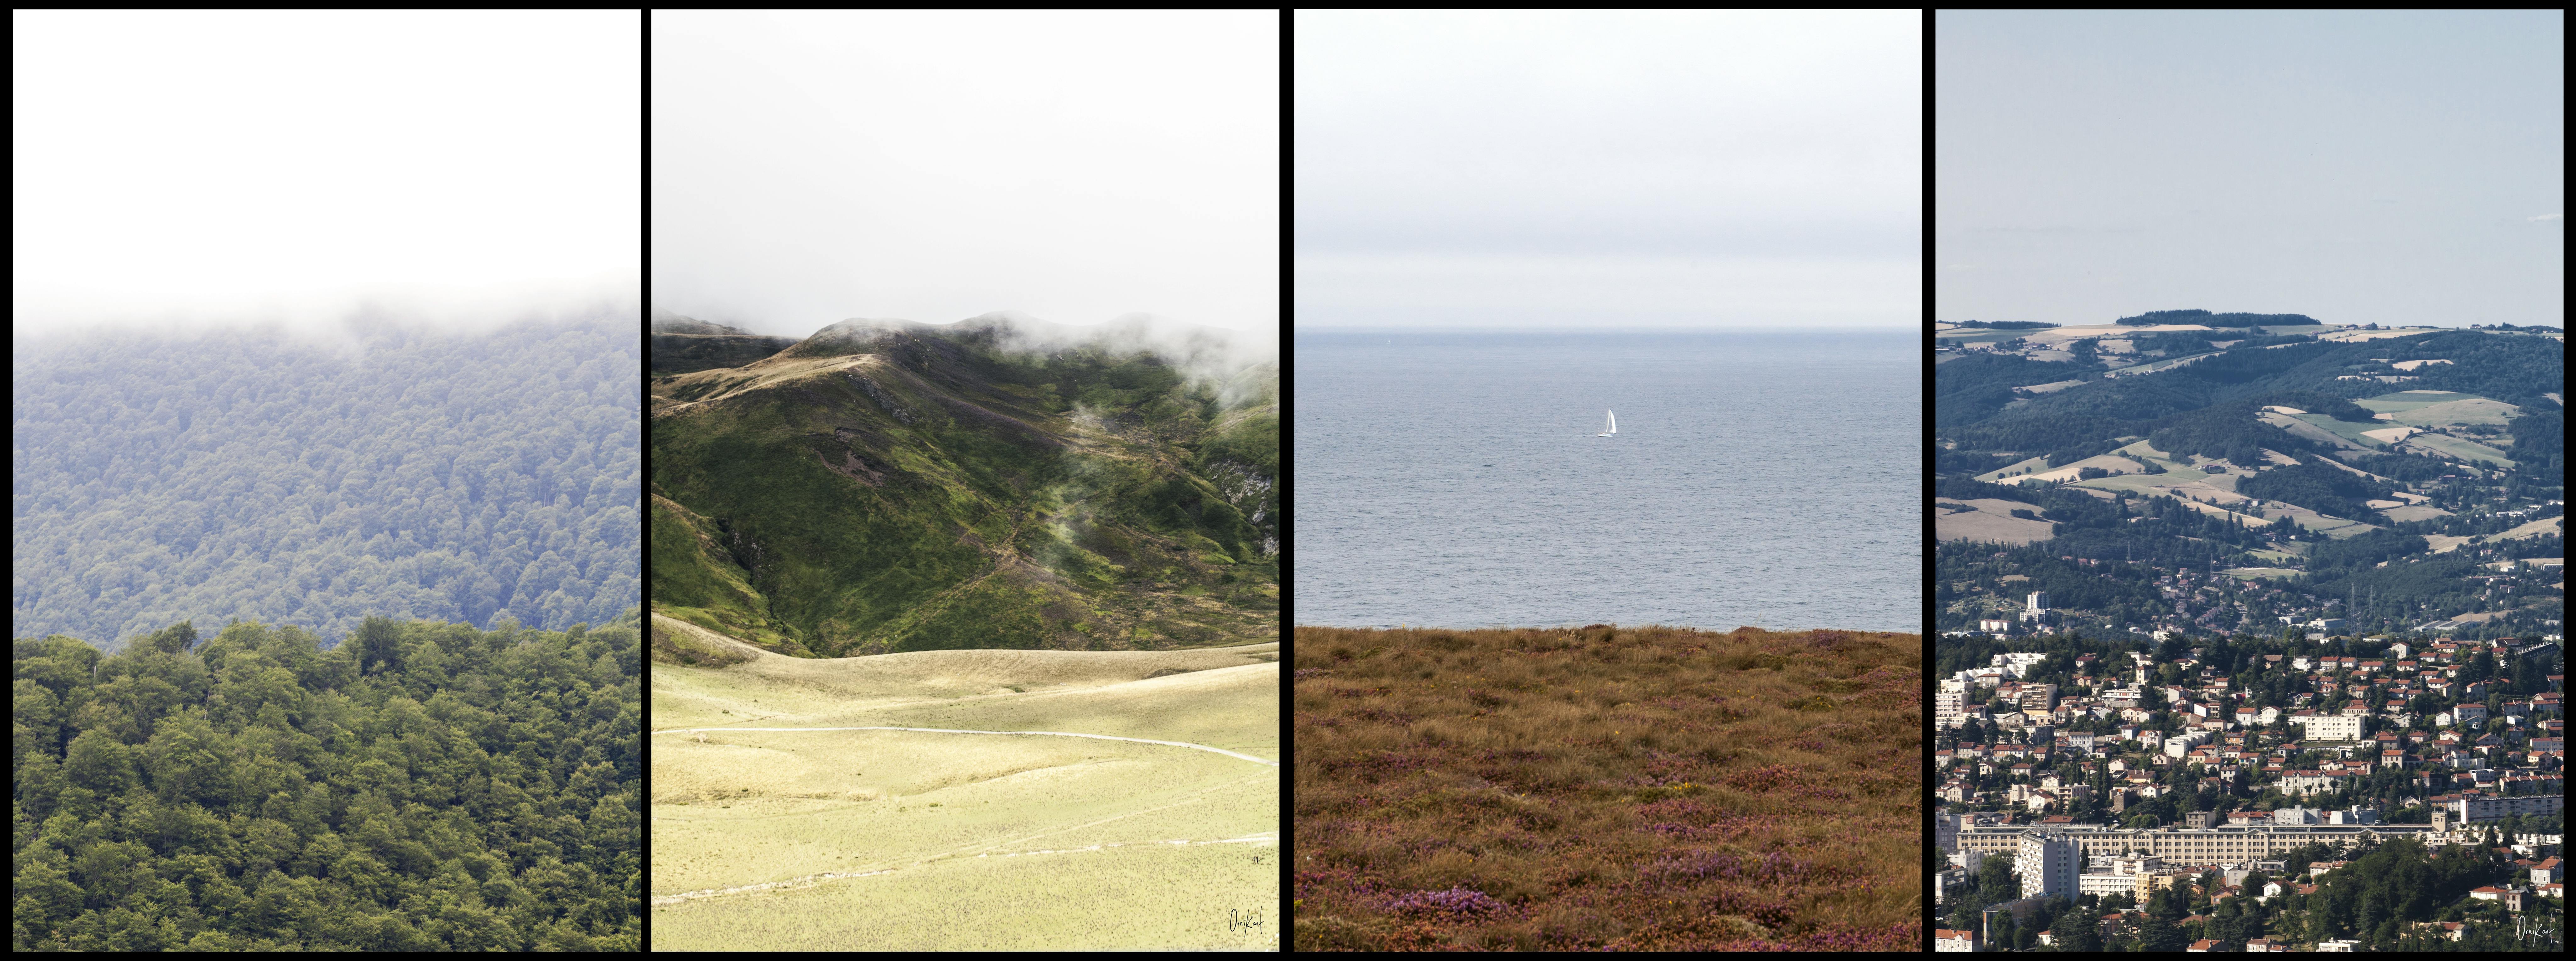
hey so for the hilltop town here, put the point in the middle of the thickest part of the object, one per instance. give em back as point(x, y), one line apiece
point(2249, 794)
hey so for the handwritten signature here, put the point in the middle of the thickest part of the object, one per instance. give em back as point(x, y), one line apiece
point(1236, 920)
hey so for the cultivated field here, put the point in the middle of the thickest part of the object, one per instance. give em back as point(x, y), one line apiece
point(2467, 450)
point(955, 830)
point(1600, 788)
point(1989, 520)
point(2438, 408)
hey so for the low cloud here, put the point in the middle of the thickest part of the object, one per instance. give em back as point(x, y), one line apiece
point(2549, 217)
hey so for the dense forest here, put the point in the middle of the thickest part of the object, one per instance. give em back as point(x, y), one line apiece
point(2331, 491)
point(2207, 319)
point(285, 478)
point(424, 786)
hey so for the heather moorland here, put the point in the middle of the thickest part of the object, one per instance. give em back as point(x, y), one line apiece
point(1607, 788)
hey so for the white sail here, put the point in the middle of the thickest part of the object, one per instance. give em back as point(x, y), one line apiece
point(1613, 430)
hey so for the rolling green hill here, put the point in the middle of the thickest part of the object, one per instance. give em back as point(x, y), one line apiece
point(891, 486)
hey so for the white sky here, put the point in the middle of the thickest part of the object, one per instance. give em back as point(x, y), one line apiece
point(194, 167)
point(811, 167)
point(2359, 167)
point(1609, 169)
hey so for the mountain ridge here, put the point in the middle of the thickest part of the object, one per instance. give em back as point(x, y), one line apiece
point(886, 485)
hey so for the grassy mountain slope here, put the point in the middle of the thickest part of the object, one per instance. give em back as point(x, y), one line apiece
point(682, 345)
point(889, 486)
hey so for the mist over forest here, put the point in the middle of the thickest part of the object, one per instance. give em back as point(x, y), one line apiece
point(292, 479)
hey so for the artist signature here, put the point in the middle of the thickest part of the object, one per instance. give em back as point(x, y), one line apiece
point(1237, 921)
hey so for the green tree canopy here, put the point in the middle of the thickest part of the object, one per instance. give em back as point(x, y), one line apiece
point(253, 791)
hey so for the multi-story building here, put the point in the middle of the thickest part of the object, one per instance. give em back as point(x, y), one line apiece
point(2191, 846)
point(2334, 727)
point(2473, 806)
point(2038, 697)
point(2048, 862)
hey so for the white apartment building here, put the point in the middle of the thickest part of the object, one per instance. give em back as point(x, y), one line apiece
point(2019, 663)
point(2048, 862)
point(2472, 809)
point(2338, 727)
point(2185, 845)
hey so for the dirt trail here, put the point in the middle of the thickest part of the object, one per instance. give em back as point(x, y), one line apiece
point(942, 730)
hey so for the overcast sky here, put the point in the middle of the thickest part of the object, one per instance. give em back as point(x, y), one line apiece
point(2375, 167)
point(1601, 169)
point(1076, 167)
point(196, 167)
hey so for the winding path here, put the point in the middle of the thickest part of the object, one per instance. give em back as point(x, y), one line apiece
point(940, 730)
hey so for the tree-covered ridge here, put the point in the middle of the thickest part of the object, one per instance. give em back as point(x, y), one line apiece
point(2207, 319)
point(241, 476)
point(424, 787)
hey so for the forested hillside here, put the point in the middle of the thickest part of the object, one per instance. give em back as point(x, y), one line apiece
point(275, 478)
point(425, 786)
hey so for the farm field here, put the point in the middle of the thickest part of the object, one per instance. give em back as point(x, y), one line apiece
point(2543, 527)
point(2356, 336)
point(1607, 788)
point(1990, 521)
point(2466, 450)
point(2320, 429)
point(2334, 527)
point(936, 836)
point(2260, 573)
point(1981, 335)
point(2002, 475)
point(2414, 513)
point(2438, 408)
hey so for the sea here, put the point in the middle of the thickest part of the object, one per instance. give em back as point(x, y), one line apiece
point(1771, 479)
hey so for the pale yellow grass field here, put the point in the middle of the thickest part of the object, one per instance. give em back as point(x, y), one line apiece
point(2051, 388)
point(2114, 463)
point(2389, 435)
point(2362, 335)
point(921, 840)
point(2213, 510)
point(2334, 527)
point(1169, 897)
point(2412, 364)
point(2539, 528)
point(2062, 335)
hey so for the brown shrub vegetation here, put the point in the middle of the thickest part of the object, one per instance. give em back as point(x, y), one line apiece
point(1602, 787)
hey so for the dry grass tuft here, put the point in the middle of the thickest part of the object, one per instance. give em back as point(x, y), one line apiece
point(1607, 788)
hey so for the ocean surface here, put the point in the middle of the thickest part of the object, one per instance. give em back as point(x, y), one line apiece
point(1453, 480)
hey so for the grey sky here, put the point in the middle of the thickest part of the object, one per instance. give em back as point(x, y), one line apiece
point(1609, 169)
point(198, 167)
point(1075, 167)
point(2377, 167)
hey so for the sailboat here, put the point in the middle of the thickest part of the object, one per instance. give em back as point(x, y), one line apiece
point(1614, 426)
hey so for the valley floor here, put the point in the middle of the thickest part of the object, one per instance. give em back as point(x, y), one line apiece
point(906, 802)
